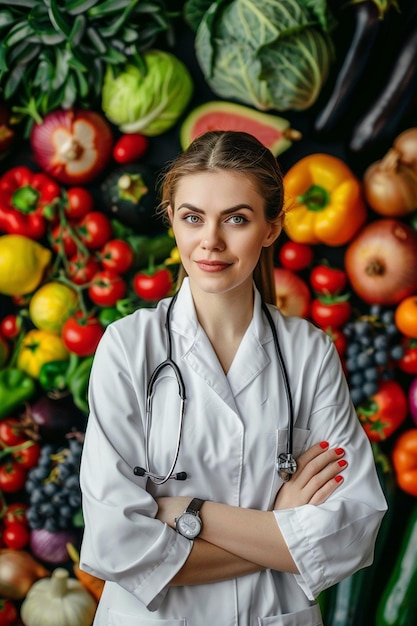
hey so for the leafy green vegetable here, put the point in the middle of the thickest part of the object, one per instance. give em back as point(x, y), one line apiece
point(151, 102)
point(264, 53)
point(53, 53)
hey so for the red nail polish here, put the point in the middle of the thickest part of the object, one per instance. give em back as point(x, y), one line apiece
point(342, 463)
point(339, 451)
point(324, 445)
point(338, 479)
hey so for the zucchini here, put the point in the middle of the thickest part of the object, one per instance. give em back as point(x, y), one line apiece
point(398, 603)
point(352, 602)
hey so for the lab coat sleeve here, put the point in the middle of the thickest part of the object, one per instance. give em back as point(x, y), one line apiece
point(331, 541)
point(123, 542)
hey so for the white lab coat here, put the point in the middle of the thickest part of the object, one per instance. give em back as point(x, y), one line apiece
point(234, 426)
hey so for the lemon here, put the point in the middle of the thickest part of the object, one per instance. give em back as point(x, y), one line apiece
point(22, 264)
point(51, 305)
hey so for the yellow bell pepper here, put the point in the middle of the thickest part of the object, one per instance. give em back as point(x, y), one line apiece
point(39, 347)
point(324, 202)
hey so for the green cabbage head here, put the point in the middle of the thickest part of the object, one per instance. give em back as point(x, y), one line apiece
point(147, 102)
point(270, 54)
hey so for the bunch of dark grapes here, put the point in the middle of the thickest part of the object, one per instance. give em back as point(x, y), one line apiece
point(374, 344)
point(53, 487)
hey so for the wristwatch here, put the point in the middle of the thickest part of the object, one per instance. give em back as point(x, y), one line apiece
point(189, 523)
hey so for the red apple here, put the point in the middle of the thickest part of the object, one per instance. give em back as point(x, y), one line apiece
point(292, 292)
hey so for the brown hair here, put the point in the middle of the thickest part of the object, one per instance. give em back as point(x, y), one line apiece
point(242, 153)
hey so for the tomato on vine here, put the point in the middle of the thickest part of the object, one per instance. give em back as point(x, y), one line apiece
point(79, 202)
point(10, 326)
point(62, 240)
point(332, 312)
point(16, 512)
point(81, 334)
point(28, 457)
point(82, 269)
point(16, 536)
point(296, 256)
point(11, 432)
point(12, 477)
point(328, 280)
point(117, 255)
point(152, 286)
point(107, 287)
point(94, 230)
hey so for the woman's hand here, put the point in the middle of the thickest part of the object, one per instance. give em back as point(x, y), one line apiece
point(317, 476)
point(171, 507)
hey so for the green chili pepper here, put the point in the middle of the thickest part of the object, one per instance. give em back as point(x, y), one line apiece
point(53, 375)
point(15, 388)
point(78, 383)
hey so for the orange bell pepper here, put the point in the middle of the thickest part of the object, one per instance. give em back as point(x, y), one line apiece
point(324, 202)
point(404, 460)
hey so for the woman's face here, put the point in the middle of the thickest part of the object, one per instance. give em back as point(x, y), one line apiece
point(220, 228)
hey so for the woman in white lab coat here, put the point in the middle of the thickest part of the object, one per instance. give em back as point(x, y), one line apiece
point(252, 549)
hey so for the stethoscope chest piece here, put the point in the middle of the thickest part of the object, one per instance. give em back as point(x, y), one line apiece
point(286, 466)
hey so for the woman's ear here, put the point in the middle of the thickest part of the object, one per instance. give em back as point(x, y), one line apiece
point(274, 233)
point(170, 213)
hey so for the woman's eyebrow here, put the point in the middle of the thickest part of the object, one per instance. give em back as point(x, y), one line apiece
point(233, 209)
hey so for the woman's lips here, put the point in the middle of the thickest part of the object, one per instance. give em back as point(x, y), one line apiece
point(212, 266)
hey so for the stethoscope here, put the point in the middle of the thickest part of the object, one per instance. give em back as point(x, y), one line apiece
point(286, 465)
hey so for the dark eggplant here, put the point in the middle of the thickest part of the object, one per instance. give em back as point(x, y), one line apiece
point(367, 26)
point(384, 119)
point(129, 195)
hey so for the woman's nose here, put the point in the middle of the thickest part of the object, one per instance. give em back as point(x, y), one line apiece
point(212, 239)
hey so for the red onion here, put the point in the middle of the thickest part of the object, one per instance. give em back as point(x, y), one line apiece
point(381, 262)
point(412, 399)
point(51, 547)
point(73, 146)
point(55, 418)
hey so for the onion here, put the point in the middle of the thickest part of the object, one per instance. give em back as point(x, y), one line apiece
point(49, 546)
point(381, 262)
point(406, 144)
point(55, 418)
point(73, 146)
point(390, 186)
point(412, 399)
point(18, 571)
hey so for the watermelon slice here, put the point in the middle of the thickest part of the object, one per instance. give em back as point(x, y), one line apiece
point(273, 131)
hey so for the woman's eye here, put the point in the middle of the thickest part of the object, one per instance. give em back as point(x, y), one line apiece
point(237, 219)
point(193, 219)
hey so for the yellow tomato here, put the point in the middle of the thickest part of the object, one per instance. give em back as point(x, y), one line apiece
point(39, 347)
point(22, 264)
point(51, 305)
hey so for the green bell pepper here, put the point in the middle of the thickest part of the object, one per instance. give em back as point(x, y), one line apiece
point(78, 383)
point(15, 388)
point(53, 375)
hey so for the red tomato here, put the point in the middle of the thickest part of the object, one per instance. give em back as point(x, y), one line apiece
point(81, 335)
point(384, 412)
point(408, 362)
point(8, 613)
point(62, 240)
point(130, 147)
point(11, 432)
point(334, 314)
point(152, 287)
point(295, 256)
point(12, 477)
point(328, 280)
point(94, 230)
point(107, 287)
point(16, 512)
point(80, 202)
point(28, 457)
point(338, 338)
point(16, 536)
point(10, 326)
point(81, 269)
point(117, 255)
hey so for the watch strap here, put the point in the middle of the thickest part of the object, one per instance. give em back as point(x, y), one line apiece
point(195, 506)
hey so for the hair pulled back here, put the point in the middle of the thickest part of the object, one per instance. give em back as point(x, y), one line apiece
point(241, 153)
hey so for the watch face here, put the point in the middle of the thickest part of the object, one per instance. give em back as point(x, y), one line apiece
point(188, 525)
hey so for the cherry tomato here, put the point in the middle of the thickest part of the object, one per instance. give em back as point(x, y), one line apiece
point(11, 432)
point(107, 287)
point(81, 269)
point(80, 202)
point(130, 147)
point(334, 314)
point(10, 326)
point(296, 256)
point(8, 613)
point(12, 477)
point(81, 335)
point(94, 230)
point(408, 362)
point(406, 317)
point(117, 255)
point(62, 240)
point(328, 280)
point(16, 512)
point(152, 287)
point(16, 536)
point(28, 457)
point(384, 412)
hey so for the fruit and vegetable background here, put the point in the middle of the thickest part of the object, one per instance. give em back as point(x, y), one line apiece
point(96, 96)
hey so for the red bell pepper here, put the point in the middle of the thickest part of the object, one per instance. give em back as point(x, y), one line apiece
point(27, 200)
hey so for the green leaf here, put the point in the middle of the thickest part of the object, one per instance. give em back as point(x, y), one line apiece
point(109, 6)
point(14, 81)
point(6, 18)
point(76, 7)
point(78, 30)
point(59, 20)
point(70, 93)
point(24, 53)
point(83, 85)
point(96, 40)
point(118, 23)
point(22, 30)
point(61, 68)
point(194, 11)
